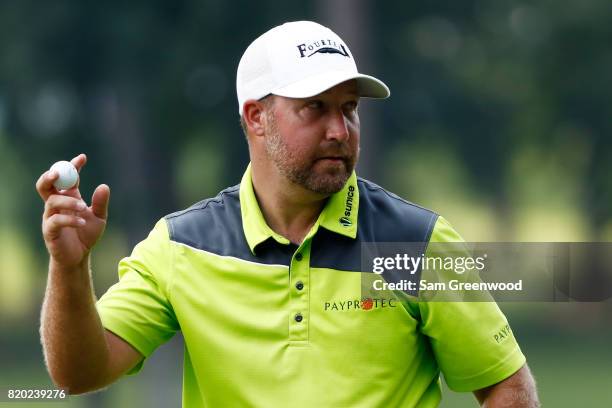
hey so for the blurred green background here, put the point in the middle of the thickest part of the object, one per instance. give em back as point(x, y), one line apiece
point(499, 119)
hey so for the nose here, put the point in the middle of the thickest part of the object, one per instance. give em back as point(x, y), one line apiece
point(337, 126)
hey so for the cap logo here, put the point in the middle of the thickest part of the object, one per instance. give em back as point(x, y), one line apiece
point(323, 47)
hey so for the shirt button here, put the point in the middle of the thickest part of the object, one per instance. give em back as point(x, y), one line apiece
point(299, 285)
point(298, 256)
point(299, 317)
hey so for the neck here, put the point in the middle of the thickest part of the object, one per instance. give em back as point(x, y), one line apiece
point(289, 209)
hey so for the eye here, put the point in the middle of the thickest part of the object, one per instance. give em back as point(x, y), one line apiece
point(351, 106)
point(314, 104)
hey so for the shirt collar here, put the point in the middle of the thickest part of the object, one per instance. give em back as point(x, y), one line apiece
point(339, 214)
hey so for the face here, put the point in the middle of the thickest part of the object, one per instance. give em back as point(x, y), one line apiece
point(314, 142)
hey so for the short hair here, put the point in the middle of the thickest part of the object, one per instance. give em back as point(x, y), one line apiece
point(267, 102)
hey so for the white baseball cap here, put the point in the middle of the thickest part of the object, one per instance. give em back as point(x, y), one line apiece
point(299, 59)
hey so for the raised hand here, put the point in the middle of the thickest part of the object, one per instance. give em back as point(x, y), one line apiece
point(71, 228)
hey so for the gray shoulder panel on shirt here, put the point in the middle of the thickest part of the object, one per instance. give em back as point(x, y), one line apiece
point(215, 225)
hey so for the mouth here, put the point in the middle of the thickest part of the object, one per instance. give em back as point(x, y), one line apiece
point(333, 159)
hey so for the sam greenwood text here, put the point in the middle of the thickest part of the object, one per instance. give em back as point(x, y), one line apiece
point(453, 284)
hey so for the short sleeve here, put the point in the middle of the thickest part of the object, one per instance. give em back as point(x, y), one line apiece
point(137, 308)
point(472, 341)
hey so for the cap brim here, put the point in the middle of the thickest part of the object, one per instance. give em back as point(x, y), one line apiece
point(367, 86)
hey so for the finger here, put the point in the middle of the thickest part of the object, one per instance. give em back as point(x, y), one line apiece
point(99, 201)
point(56, 203)
point(79, 161)
point(44, 184)
point(53, 225)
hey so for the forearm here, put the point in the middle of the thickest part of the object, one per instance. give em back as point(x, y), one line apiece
point(72, 335)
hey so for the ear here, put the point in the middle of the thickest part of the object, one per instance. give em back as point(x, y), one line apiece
point(254, 117)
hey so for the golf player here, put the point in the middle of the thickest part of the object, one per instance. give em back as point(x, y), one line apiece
point(264, 280)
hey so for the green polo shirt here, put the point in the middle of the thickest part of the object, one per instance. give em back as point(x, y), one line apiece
point(267, 323)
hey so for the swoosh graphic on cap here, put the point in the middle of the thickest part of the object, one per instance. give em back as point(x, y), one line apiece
point(329, 50)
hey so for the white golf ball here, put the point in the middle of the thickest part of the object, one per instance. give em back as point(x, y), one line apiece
point(68, 175)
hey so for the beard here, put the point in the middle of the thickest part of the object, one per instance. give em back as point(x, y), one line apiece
point(314, 174)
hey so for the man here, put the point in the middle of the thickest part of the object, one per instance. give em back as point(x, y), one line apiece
point(264, 280)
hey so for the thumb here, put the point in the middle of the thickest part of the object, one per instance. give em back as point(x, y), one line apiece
point(99, 201)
